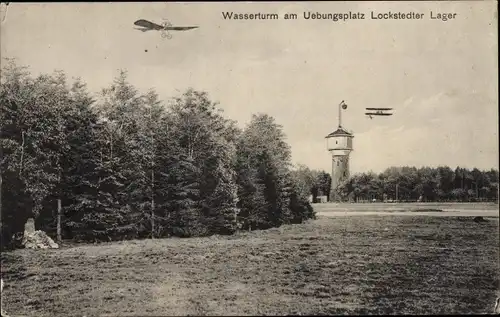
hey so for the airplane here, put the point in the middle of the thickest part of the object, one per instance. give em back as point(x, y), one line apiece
point(146, 25)
point(377, 112)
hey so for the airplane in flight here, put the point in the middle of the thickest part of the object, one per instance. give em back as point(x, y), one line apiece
point(166, 26)
point(377, 112)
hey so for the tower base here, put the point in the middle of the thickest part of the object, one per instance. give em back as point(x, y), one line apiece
point(334, 196)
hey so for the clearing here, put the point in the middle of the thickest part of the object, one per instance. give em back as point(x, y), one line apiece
point(345, 265)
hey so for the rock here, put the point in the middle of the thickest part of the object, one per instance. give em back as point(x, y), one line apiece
point(38, 240)
point(479, 219)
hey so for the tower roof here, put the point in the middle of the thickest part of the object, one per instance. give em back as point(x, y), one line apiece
point(339, 132)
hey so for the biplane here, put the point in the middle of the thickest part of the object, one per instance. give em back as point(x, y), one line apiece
point(166, 26)
point(377, 112)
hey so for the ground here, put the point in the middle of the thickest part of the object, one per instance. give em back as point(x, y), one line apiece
point(369, 264)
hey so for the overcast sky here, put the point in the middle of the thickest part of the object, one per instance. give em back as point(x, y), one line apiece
point(440, 77)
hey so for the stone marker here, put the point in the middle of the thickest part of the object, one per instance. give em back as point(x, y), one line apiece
point(29, 227)
point(36, 239)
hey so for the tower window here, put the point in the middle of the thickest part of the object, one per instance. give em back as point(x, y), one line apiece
point(338, 163)
point(336, 142)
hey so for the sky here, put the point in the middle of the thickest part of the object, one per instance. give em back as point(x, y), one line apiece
point(441, 78)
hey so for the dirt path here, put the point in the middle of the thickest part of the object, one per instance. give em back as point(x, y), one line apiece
point(444, 213)
point(408, 209)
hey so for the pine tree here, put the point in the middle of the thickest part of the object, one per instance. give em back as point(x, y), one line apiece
point(205, 145)
point(264, 178)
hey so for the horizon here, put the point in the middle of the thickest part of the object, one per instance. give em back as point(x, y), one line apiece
point(438, 85)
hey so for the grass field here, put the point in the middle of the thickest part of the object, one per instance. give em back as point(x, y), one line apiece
point(345, 265)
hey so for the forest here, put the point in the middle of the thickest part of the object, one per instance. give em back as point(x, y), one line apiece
point(123, 164)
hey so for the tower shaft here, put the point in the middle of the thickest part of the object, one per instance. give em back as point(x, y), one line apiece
point(340, 172)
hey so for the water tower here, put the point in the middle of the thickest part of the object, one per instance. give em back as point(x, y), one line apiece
point(339, 143)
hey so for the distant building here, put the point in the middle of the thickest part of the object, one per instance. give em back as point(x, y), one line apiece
point(319, 199)
point(322, 199)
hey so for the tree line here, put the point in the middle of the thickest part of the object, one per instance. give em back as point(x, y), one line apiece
point(122, 164)
point(438, 184)
point(405, 184)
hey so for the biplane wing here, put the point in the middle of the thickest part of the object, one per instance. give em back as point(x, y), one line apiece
point(377, 114)
point(148, 25)
point(180, 28)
